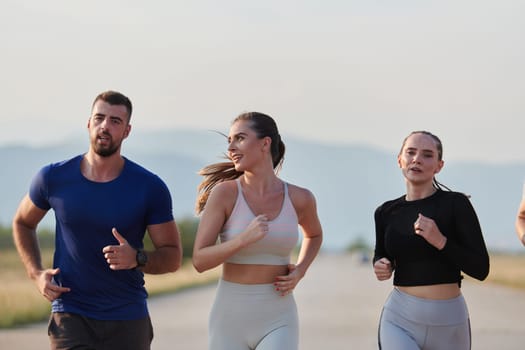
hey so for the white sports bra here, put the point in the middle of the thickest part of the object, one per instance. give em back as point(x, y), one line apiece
point(275, 248)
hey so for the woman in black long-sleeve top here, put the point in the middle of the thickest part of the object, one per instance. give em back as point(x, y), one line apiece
point(426, 238)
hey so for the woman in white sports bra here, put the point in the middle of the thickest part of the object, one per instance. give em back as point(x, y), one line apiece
point(250, 221)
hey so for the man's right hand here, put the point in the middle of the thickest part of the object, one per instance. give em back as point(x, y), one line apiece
point(47, 285)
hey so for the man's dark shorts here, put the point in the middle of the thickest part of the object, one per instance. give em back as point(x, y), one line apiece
point(73, 331)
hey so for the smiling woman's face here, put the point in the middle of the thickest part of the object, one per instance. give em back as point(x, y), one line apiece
point(245, 149)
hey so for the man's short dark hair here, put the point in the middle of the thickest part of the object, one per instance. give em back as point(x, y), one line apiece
point(115, 98)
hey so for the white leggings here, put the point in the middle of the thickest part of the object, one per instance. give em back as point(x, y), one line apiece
point(412, 323)
point(252, 316)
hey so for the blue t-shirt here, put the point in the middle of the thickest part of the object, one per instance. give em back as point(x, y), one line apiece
point(85, 213)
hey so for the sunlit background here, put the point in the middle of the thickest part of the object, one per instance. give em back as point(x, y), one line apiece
point(364, 72)
point(346, 81)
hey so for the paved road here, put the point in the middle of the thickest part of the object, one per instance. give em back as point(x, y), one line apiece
point(339, 303)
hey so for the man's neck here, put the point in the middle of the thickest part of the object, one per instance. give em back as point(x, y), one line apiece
point(101, 169)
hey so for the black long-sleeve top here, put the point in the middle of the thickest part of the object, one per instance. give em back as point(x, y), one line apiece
point(415, 261)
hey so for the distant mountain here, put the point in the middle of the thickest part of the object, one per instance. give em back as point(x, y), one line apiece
point(349, 181)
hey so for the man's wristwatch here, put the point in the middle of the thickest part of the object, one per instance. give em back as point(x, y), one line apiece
point(142, 258)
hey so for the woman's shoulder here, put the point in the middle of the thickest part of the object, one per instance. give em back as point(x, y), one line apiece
point(299, 192)
point(457, 200)
point(390, 203)
point(454, 195)
point(225, 189)
point(222, 196)
point(300, 196)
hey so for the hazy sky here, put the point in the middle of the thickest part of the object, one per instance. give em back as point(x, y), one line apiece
point(347, 71)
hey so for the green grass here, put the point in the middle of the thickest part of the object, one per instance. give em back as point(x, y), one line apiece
point(507, 270)
point(21, 303)
point(20, 300)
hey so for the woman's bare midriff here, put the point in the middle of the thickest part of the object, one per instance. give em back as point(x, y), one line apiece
point(435, 292)
point(252, 274)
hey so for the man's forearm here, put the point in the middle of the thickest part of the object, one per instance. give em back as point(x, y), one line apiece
point(163, 259)
point(26, 243)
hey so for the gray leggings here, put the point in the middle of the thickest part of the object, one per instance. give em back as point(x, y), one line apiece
point(412, 323)
point(252, 316)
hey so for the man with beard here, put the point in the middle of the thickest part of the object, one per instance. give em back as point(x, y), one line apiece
point(103, 204)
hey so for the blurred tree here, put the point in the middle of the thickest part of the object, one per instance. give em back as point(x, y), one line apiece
point(358, 245)
point(188, 229)
point(361, 248)
point(46, 238)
